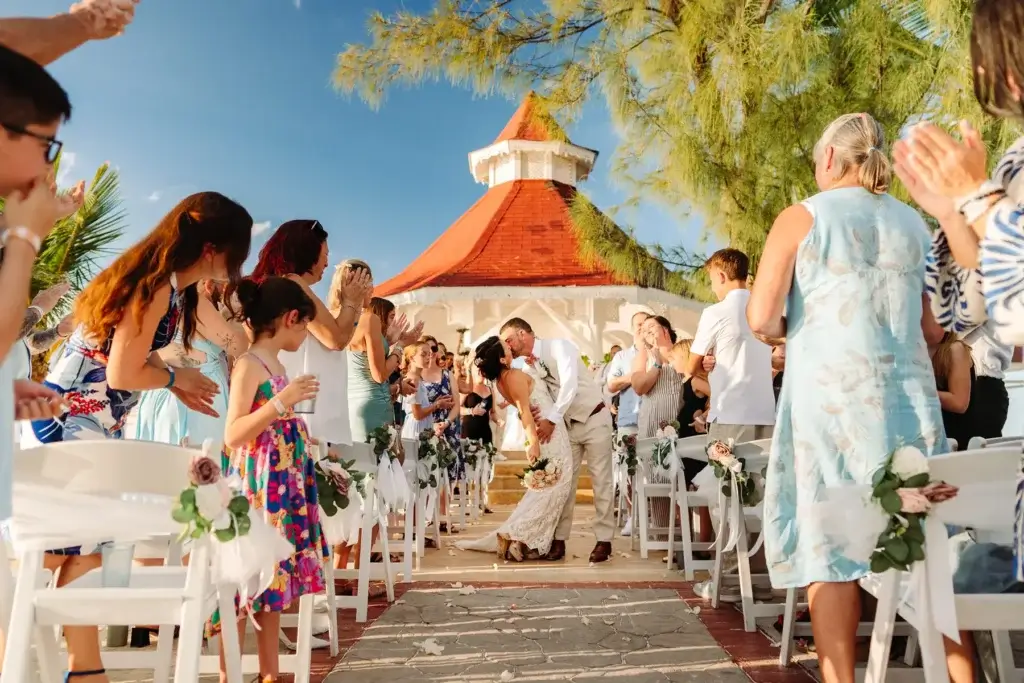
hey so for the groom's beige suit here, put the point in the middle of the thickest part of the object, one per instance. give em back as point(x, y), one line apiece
point(579, 402)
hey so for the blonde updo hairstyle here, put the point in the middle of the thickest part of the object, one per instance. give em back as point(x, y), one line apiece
point(334, 295)
point(857, 140)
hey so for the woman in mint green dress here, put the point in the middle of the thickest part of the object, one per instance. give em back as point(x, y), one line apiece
point(847, 268)
point(160, 416)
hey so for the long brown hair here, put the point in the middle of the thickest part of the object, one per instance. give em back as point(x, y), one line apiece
point(997, 56)
point(176, 243)
point(381, 308)
point(942, 359)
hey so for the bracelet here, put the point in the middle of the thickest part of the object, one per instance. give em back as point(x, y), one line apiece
point(279, 405)
point(24, 234)
point(975, 205)
point(170, 380)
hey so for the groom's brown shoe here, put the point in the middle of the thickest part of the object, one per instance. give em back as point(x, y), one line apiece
point(557, 552)
point(602, 551)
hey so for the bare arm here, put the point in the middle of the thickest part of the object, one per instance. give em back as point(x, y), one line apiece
point(518, 384)
point(700, 387)
point(958, 398)
point(618, 380)
point(33, 314)
point(44, 39)
point(374, 342)
point(43, 341)
point(15, 275)
point(775, 272)
point(229, 336)
point(128, 365)
point(243, 426)
point(643, 378)
point(334, 332)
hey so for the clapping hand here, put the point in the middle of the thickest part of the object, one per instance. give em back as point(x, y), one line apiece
point(104, 18)
point(412, 335)
point(48, 298)
point(356, 287)
point(34, 401)
point(399, 324)
point(71, 201)
point(945, 166)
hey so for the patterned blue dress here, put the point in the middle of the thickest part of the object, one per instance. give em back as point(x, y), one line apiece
point(436, 390)
point(859, 382)
point(79, 373)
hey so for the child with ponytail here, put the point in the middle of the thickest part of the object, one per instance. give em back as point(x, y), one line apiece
point(269, 452)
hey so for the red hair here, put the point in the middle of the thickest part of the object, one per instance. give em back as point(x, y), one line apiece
point(293, 249)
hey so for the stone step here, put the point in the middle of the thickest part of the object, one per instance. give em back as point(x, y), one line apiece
point(511, 482)
point(513, 496)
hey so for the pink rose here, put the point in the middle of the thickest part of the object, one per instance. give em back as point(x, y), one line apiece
point(719, 451)
point(913, 502)
point(203, 471)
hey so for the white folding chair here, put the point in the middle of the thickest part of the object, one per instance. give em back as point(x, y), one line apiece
point(996, 469)
point(694, 447)
point(373, 508)
point(645, 491)
point(169, 595)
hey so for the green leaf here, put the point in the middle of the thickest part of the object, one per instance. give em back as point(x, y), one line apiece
point(891, 502)
point(181, 515)
point(916, 551)
point(224, 535)
point(242, 525)
point(197, 533)
point(897, 549)
point(913, 533)
point(188, 498)
point(342, 502)
point(329, 507)
point(878, 477)
point(917, 481)
point(239, 505)
point(880, 563)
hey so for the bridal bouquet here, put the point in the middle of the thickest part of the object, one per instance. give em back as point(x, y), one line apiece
point(542, 474)
point(663, 451)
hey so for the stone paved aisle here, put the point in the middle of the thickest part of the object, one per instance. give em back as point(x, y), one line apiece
point(513, 633)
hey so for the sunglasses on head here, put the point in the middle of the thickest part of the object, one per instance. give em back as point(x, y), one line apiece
point(434, 349)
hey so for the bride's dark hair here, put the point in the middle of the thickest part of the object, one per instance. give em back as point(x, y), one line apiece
point(487, 358)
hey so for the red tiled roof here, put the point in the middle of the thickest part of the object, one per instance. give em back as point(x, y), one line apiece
point(531, 123)
point(519, 234)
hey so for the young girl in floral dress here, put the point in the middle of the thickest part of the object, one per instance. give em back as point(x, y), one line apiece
point(269, 452)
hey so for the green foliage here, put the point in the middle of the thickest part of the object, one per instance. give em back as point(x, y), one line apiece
point(383, 441)
point(196, 526)
point(902, 542)
point(625, 449)
point(333, 488)
point(719, 103)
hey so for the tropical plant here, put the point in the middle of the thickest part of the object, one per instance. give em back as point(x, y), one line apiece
point(718, 103)
point(73, 249)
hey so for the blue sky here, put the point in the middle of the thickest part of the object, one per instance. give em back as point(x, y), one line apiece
point(235, 96)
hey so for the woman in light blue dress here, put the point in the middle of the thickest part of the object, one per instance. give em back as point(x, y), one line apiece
point(160, 416)
point(847, 268)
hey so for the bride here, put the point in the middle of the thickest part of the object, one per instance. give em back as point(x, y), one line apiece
point(528, 532)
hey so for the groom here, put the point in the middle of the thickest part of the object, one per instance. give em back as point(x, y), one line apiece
point(579, 402)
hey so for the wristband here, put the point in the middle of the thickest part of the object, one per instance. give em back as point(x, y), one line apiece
point(24, 234)
point(975, 205)
point(279, 405)
point(170, 380)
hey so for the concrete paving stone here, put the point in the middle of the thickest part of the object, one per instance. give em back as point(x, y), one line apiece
point(692, 638)
point(620, 642)
point(649, 624)
point(440, 614)
point(680, 657)
point(720, 674)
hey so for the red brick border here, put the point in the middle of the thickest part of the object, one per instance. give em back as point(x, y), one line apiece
point(751, 651)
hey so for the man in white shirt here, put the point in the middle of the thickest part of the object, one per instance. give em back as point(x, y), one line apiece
point(619, 375)
point(742, 398)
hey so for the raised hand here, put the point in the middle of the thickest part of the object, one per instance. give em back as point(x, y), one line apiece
point(412, 335)
point(397, 327)
point(356, 287)
point(38, 209)
point(48, 298)
point(945, 166)
point(104, 18)
point(33, 401)
point(195, 390)
point(72, 200)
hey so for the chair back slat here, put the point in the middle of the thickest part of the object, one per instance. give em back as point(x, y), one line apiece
point(755, 453)
point(694, 447)
point(977, 442)
point(978, 466)
point(107, 466)
point(362, 454)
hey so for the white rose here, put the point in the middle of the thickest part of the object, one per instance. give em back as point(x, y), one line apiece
point(223, 521)
point(660, 434)
point(209, 501)
point(670, 432)
point(550, 469)
point(908, 461)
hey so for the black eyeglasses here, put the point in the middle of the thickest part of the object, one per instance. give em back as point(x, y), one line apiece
point(53, 144)
point(434, 349)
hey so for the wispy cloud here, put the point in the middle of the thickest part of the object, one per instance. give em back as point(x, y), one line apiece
point(67, 162)
point(298, 4)
point(260, 228)
point(154, 196)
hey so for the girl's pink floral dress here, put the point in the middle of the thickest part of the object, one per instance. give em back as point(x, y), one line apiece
point(278, 478)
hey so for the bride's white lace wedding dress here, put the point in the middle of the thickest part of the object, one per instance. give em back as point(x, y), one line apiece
point(533, 521)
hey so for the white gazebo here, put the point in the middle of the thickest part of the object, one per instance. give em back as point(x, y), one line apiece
point(515, 254)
